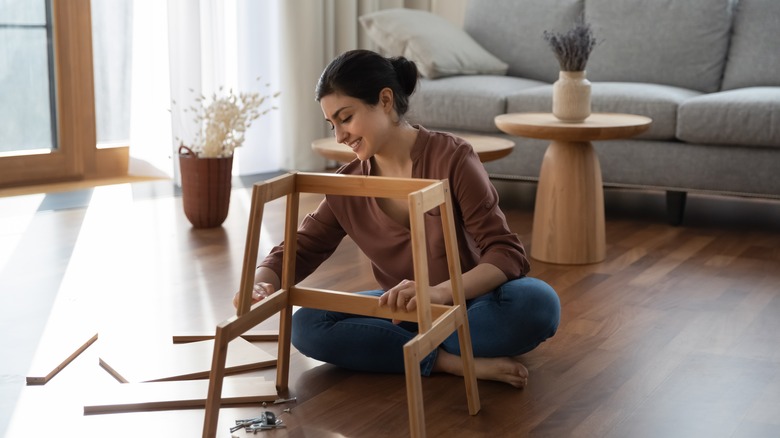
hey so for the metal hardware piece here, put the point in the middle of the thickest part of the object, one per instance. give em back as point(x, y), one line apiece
point(266, 421)
point(260, 427)
point(285, 400)
point(250, 420)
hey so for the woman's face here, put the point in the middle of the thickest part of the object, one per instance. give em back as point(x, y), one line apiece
point(356, 124)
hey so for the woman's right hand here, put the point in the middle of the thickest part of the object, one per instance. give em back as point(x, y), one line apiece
point(260, 291)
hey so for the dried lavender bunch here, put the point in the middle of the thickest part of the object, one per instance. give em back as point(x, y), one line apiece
point(572, 48)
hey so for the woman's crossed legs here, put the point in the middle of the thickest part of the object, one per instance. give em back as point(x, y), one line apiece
point(505, 323)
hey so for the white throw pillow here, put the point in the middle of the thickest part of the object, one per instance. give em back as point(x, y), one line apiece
point(438, 47)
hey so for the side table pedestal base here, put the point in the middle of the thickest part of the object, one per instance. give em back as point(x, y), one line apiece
point(569, 214)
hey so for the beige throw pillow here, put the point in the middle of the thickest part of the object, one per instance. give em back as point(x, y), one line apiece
point(438, 47)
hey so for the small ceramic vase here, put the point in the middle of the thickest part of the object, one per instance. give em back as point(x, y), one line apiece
point(571, 97)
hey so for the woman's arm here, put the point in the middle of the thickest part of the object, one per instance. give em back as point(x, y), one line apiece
point(478, 281)
point(317, 238)
point(477, 201)
point(483, 278)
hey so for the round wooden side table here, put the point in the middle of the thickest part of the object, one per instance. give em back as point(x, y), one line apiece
point(568, 223)
point(487, 148)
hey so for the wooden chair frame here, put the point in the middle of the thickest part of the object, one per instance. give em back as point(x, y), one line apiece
point(436, 322)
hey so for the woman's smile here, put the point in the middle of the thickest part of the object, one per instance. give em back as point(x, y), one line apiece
point(355, 144)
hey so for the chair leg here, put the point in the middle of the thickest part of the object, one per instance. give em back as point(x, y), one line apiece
point(216, 377)
point(469, 374)
point(283, 357)
point(414, 394)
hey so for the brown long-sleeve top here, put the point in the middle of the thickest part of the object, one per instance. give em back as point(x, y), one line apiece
point(481, 227)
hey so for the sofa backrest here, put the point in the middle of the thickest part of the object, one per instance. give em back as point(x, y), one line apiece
point(681, 43)
point(513, 31)
point(754, 56)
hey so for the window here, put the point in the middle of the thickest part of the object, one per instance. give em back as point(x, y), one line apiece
point(27, 113)
point(47, 131)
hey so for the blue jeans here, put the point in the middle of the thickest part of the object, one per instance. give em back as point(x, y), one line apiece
point(509, 321)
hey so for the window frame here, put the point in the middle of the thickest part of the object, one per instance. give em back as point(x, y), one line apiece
point(77, 155)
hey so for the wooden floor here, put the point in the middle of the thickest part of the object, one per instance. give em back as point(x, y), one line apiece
point(675, 334)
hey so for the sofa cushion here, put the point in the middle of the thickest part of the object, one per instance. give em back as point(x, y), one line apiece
point(659, 102)
point(754, 55)
point(678, 43)
point(748, 116)
point(513, 30)
point(464, 102)
point(437, 46)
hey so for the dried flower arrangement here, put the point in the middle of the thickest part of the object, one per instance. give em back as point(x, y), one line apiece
point(223, 120)
point(573, 48)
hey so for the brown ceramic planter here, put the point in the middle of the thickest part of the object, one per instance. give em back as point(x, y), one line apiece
point(205, 186)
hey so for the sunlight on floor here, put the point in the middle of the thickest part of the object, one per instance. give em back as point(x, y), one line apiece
point(128, 234)
point(16, 213)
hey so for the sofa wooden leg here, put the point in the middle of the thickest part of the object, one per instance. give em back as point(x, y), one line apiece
point(675, 206)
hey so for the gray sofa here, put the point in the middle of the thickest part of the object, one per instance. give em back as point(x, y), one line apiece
point(706, 71)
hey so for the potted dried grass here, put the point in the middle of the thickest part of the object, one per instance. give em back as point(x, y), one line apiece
point(207, 165)
point(571, 92)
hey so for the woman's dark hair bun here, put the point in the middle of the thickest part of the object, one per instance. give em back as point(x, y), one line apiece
point(407, 72)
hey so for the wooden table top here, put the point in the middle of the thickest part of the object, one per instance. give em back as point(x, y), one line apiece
point(598, 126)
point(488, 148)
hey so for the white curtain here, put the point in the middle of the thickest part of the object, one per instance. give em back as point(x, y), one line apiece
point(190, 47)
point(186, 48)
point(150, 126)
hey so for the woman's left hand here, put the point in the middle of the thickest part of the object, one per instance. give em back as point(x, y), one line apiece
point(401, 297)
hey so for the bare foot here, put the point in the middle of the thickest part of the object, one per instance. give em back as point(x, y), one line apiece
point(502, 369)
